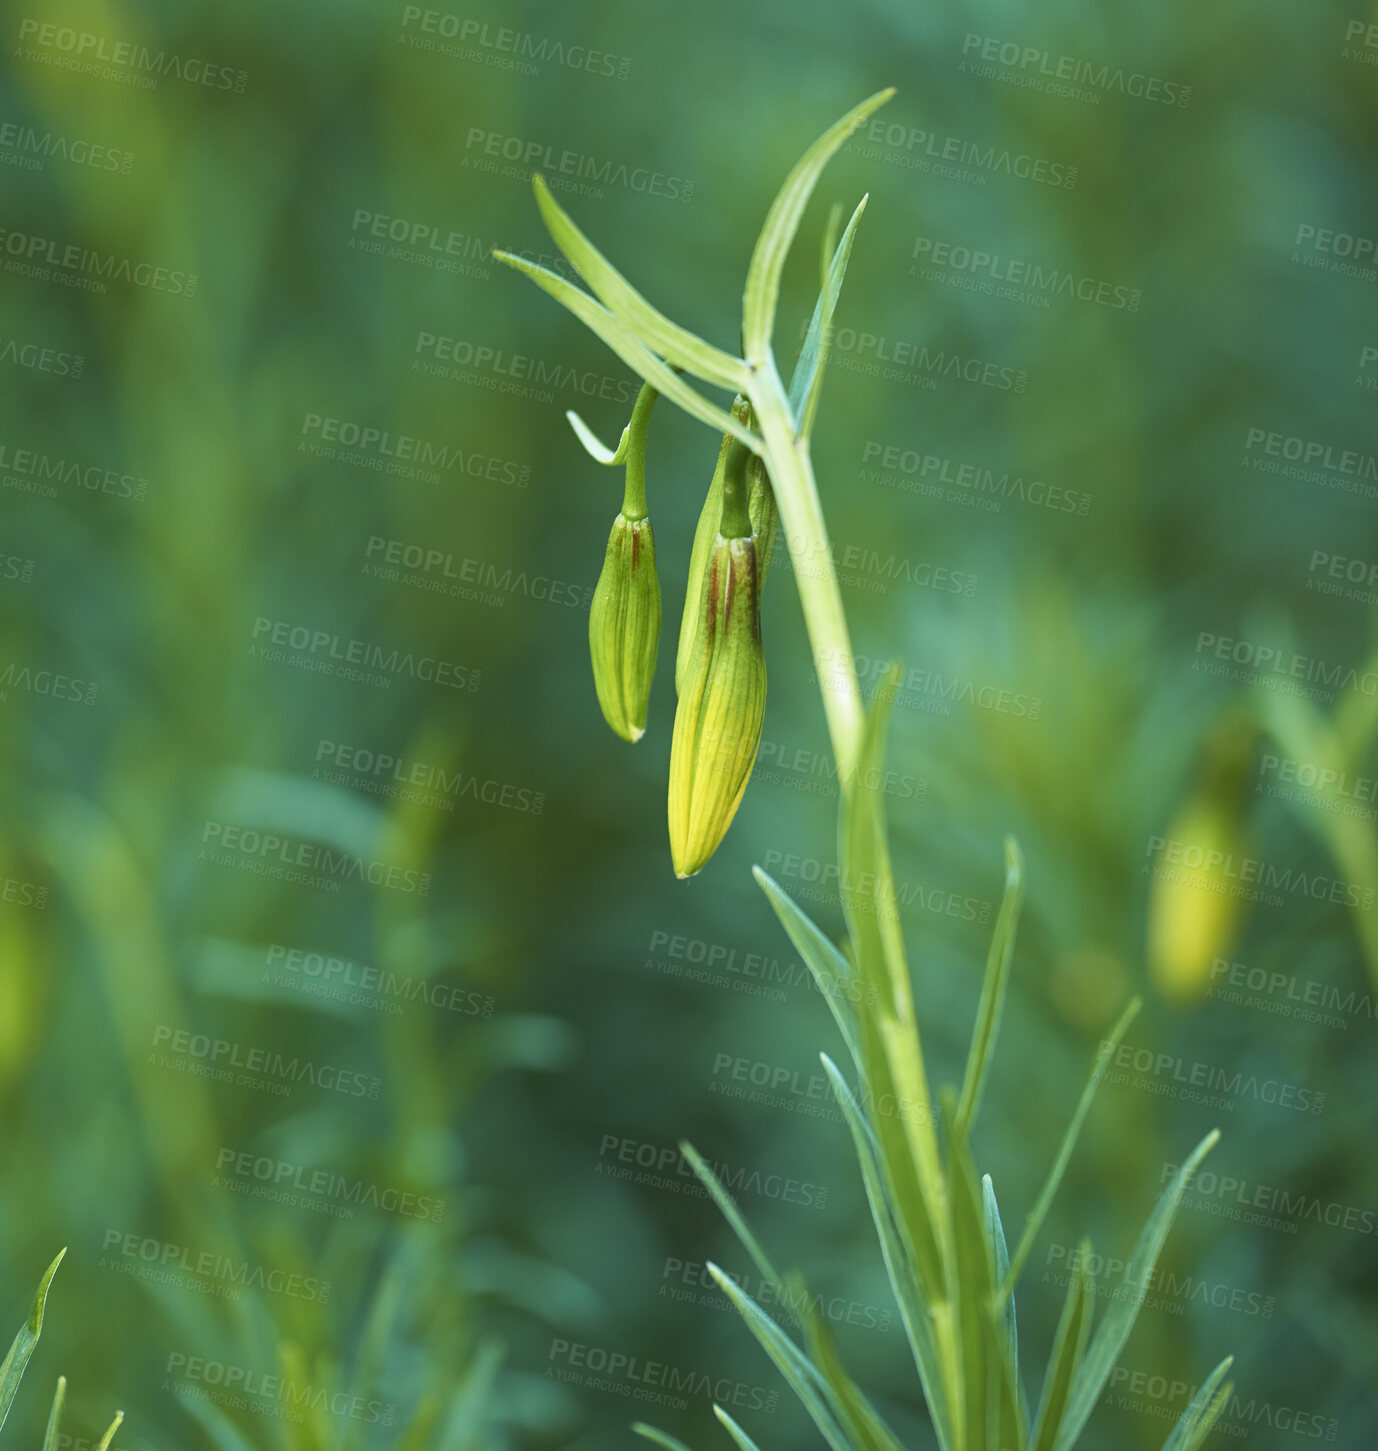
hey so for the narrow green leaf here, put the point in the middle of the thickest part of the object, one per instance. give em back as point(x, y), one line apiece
point(974, 1280)
point(804, 1380)
point(637, 356)
point(744, 1442)
point(899, 1263)
point(1120, 1317)
point(830, 969)
point(996, 1232)
point(659, 1437)
point(1069, 1140)
point(1203, 1412)
point(730, 1212)
point(55, 1415)
point(22, 1347)
point(593, 445)
point(672, 342)
point(761, 295)
point(110, 1430)
point(1069, 1346)
point(862, 1422)
point(992, 990)
point(806, 386)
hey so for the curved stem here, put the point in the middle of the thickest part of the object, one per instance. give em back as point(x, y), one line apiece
point(634, 489)
point(806, 535)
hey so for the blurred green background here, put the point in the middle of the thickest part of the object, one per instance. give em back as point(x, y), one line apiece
point(340, 1090)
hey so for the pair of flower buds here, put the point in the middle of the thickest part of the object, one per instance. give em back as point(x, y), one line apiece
point(720, 667)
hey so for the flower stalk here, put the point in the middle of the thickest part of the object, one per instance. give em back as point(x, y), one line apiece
point(937, 1220)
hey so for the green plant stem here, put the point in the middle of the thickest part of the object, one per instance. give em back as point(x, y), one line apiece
point(806, 536)
point(634, 489)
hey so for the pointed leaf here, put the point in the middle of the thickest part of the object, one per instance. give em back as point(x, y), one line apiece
point(1120, 1317)
point(992, 989)
point(1069, 1346)
point(1203, 1412)
point(829, 967)
point(659, 1437)
point(860, 1419)
point(744, 1442)
point(730, 1212)
point(630, 348)
point(975, 1271)
point(1069, 1140)
point(22, 1347)
point(899, 1265)
point(1012, 1411)
point(803, 1379)
point(806, 386)
point(110, 1430)
point(55, 1415)
point(672, 342)
point(762, 291)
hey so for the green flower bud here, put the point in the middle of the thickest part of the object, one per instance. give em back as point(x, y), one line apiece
point(624, 618)
point(722, 700)
point(764, 524)
point(624, 627)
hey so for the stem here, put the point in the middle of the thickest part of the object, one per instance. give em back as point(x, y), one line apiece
point(806, 534)
point(634, 490)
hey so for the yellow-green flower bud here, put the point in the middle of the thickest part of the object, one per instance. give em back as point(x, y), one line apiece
point(722, 700)
point(764, 525)
point(624, 627)
point(624, 618)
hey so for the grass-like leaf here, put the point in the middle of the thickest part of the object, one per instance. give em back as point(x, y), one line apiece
point(674, 343)
point(728, 1208)
point(829, 967)
point(975, 1269)
point(992, 990)
point(868, 1432)
point(660, 1438)
point(1120, 1317)
point(104, 1443)
point(996, 1231)
point(744, 1442)
point(1069, 1346)
point(899, 1264)
point(55, 1415)
point(806, 386)
point(806, 1383)
point(1203, 1412)
point(624, 342)
point(761, 295)
point(22, 1347)
point(1069, 1141)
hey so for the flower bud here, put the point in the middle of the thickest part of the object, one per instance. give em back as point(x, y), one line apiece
point(624, 626)
point(705, 532)
point(722, 698)
point(624, 618)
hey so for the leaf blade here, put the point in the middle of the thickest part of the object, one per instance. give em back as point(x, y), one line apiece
point(674, 343)
point(993, 989)
point(637, 356)
point(22, 1347)
point(761, 293)
point(1120, 1317)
